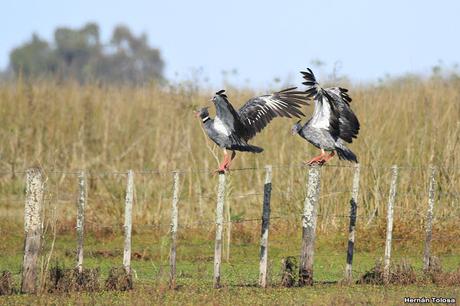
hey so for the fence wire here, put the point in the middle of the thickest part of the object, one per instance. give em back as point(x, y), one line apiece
point(294, 165)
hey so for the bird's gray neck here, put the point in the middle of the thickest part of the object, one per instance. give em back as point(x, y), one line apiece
point(221, 110)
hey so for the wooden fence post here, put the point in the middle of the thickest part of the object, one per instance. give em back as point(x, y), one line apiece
point(81, 203)
point(174, 222)
point(351, 228)
point(32, 228)
point(309, 216)
point(219, 221)
point(128, 221)
point(429, 218)
point(390, 209)
point(264, 229)
point(228, 231)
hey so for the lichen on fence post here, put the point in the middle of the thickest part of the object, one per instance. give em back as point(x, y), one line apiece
point(309, 217)
point(265, 226)
point(351, 227)
point(81, 204)
point(219, 224)
point(173, 229)
point(429, 218)
point(228, 230)
point(128, 222)
point(33, 226)
point(390, 209)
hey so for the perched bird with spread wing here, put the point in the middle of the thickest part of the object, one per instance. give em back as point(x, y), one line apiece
point(333, 122)
point(231, 129)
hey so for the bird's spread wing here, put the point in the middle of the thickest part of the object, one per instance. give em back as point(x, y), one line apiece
point(257, 112)
point(325, 115)
point(348, 123)
point(332, 109)
point(227, 120)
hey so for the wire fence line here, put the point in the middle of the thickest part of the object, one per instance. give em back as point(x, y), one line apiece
point(298, 219)
point(69, 197)
point(211, 170)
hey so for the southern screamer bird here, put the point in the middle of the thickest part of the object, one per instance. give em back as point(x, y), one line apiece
point(333, 122)
point(231, 129)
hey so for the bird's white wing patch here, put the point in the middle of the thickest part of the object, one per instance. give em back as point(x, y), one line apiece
point(220, 127)
point(321, 114)
point(274, 104)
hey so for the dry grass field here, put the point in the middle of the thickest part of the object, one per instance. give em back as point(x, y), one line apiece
point(65, 128)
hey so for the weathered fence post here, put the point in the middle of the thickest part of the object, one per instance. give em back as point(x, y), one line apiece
point(228, 231)
point(429, 218)
point(32, 229)
point(174, 222)
point(81, 203)
point(264, 229)
point(309, 216)
point(351, 228)
point(390, 208)
point(128, 221)
point(219, 221)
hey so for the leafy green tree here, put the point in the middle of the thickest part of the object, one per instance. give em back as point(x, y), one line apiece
point(33, 58)
point(131, 60)
point(80, 55)
point(77, 51)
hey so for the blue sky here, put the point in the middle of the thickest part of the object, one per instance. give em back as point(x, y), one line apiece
point(262, 40)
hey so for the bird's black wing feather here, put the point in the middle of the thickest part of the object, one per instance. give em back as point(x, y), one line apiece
point(229, 117)
point(325, 115)
point(342, 121)
point(348, 123)
point(257, 112)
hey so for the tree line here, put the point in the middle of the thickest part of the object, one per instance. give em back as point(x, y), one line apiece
point(79, 54)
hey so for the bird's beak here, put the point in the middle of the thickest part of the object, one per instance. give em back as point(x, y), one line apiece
point(197, 113)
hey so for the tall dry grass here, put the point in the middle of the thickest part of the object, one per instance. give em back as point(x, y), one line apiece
point(106, 130)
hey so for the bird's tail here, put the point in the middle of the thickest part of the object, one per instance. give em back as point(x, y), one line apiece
point(346, 154)
point(247, 148)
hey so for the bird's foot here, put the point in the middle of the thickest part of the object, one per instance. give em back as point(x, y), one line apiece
point(223, 168)
point(220, 171)
point(318, 160)
point(227, 167)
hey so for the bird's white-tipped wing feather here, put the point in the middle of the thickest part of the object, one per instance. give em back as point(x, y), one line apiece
point(331, 109)
point(257, 112)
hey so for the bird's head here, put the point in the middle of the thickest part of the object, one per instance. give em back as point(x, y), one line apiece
point(296, 128)
point(202, 113)
point(219, 97)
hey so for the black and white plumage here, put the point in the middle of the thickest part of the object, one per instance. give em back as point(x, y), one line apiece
point(333, 122)
point(215, 131)
point(232, 129)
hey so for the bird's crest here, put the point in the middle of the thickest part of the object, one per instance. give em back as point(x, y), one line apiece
point(222, 94)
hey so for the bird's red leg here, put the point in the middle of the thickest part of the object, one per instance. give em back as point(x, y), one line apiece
point(328, 157)
point(223, 165)
point(227, 167)
point(317, 159)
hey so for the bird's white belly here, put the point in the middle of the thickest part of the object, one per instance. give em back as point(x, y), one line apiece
point(220, 127)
